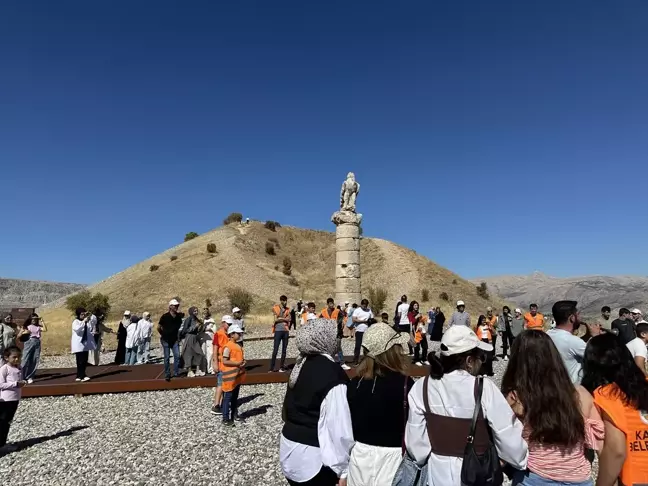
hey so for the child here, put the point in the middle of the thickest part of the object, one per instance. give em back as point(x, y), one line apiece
point(420, 339)
point(385, 319)
point(132, 341)
point(220, 340)
point(233, 373)
point(484, 333)
point(10, 384)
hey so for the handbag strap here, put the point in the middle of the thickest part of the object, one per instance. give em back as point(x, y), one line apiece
point(479, 388)
point(405, 410)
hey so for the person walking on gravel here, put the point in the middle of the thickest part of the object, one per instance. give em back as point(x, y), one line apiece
point(280, 332)
point(169, 328)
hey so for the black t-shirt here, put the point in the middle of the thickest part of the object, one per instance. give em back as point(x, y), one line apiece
point(626, 328)
point(170, 326)
point(377, 411)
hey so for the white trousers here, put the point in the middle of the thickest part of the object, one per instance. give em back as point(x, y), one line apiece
point(373, 465)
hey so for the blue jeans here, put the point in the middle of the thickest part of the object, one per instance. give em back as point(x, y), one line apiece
point(30, 358)
point(176, 358)
point(280, 338)
point(527, 478)
point(340, 353)
point(230, 404)
point(131, 356)
point(144, 351)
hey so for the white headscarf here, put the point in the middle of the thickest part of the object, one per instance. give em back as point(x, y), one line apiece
point(319, 336)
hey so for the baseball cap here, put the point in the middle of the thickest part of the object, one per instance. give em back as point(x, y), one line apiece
point(459, 339)
point(518, 310)
point(235, 310)
point(381, 337)
point(146, 314)
point(460, 302)
point(635, 311)
point(234, 328)
point(227, 319)
point(489, 309)
point(127, 313)
point(173, 302)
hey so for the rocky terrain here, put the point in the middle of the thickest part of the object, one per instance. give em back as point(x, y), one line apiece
point(32, 293)
point(591, 292)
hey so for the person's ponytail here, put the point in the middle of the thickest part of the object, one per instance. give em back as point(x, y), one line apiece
point(436, 367)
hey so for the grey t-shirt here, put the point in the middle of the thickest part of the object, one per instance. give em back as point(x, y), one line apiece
point(572, 351)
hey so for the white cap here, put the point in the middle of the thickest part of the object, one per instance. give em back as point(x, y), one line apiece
point(235, 310)
point(518, 310)
point(459, 339)
point(127, 313)
point(346, 302)
point(460, 302)
point(635, 311)
point(146, 314)
point(173, 302)
point(234, 328)
point(227, 319)
point(489, 309)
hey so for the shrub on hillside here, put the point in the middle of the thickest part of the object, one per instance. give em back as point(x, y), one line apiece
point(444, 296)
point(96, 303)
point(377, 299)
point(425, 295)
point(208, 303)
point(270, 249)
point(482, 291)
point(271, 225)
point(240, 298)
point(153, 268)
point(454, 281)
point(275, 242)
point(233, 218)
point(277, 267)
point(191, 235)
point(211, 247)
point(287, 266)
point(293, 281)
point(173, 258)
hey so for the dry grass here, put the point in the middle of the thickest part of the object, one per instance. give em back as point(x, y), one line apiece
point(242, 261)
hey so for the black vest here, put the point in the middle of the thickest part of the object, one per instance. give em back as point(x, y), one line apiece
point(302, 404)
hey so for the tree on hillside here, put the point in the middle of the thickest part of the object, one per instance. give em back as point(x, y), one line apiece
point(191, 235)
point(482, 291)
point(240, 298)
point(233, 218)
point(96, 303)
point(377, 299)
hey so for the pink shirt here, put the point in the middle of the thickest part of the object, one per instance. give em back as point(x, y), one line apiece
point(9, 378)
point(35, 331)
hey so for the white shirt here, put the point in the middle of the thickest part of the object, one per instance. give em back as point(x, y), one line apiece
point(209, 326)
point(362, 315)
point(452, 396)
point(132, 335)
point(301, 463)
point(145, 329)
point(637, 347)
point(572, 351)
point(76, 343)
point(403, 309)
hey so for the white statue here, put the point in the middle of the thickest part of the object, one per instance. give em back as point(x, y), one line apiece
point(349, 193)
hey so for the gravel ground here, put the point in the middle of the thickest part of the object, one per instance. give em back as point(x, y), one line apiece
point(167, 437)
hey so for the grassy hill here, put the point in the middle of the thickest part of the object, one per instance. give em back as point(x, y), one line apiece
point(241, 260)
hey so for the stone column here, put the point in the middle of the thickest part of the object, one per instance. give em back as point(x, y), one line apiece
point(347, 257)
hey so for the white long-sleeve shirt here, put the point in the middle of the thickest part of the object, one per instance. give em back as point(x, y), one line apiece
point(145, 330)
point(300, 462)
point(132, 335)
point(453, 396)
point(78, 331)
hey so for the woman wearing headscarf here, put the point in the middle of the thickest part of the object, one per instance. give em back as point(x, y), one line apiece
point(317, 435)
point(439, 321)
point(191, 349)
point(7, 333)
point(122, 333)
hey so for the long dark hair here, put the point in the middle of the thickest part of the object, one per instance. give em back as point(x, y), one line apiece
point(412, 304)
point(608, 360)
point(537, 374)
point(441, 365)
point(481, 320)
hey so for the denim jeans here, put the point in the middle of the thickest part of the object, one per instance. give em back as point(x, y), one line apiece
point(144, 351)
point(280, 337)
point(167, 348)
point(230, 404)
point(30, 358)
point(527, 478)
point(131, 356)
point(340, 353)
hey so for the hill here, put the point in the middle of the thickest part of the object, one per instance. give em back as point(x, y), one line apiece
point(592, 292)
point(32, 293)
point(241, 260)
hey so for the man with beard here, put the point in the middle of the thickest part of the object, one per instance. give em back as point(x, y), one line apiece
point(570, 347)
point(624, 326)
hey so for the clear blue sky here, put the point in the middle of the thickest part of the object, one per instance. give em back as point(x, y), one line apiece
point(494, 137)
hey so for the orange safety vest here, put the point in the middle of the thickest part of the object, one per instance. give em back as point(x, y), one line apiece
point(484, 332)
point(492, 322)
point(418, 336)
point(233, 375)
point(634, 424)
point(536, 322)
point(333, 316)
point(220, 340)
point(278, 313)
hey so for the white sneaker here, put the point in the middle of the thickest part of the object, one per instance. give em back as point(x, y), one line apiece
point(191, 374)
point(87, 378)
point(30, 381)
point(78, 379)
point(281, 370)
point(346, 367)
point(505, 358)
point(426, 363)
point(418, 363)
point(200, 373)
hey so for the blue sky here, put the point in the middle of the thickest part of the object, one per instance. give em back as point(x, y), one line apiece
point(494, 137)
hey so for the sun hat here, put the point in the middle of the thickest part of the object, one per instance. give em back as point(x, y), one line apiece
point(234, 328)
point(518, 310)
point(489, 309)
point(380, 338)
point(459, 339)
point(146, 314)
point(635, 311)
point(460, 303)
point(173, 302)
point(235, 310)
point(227, 319)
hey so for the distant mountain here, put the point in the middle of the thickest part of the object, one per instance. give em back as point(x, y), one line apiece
point(592, 292)
point(32, 293)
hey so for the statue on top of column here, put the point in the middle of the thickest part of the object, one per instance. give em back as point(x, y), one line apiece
point(349, 193)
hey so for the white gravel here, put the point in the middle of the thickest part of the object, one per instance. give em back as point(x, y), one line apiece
point(167, 437)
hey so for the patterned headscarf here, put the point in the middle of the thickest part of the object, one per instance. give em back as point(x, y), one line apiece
point(319, 336)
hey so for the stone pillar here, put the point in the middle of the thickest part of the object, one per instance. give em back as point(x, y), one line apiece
point(347, 257)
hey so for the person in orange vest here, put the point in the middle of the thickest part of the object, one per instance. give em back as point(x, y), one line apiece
point(485, 334)
point(233, 375)
point(492, 322)
point(309, 313)
point(620, 392)
point(219, 342)
point(420, 339)
point(332, 313)
point(280, 332)
point(533, 319)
